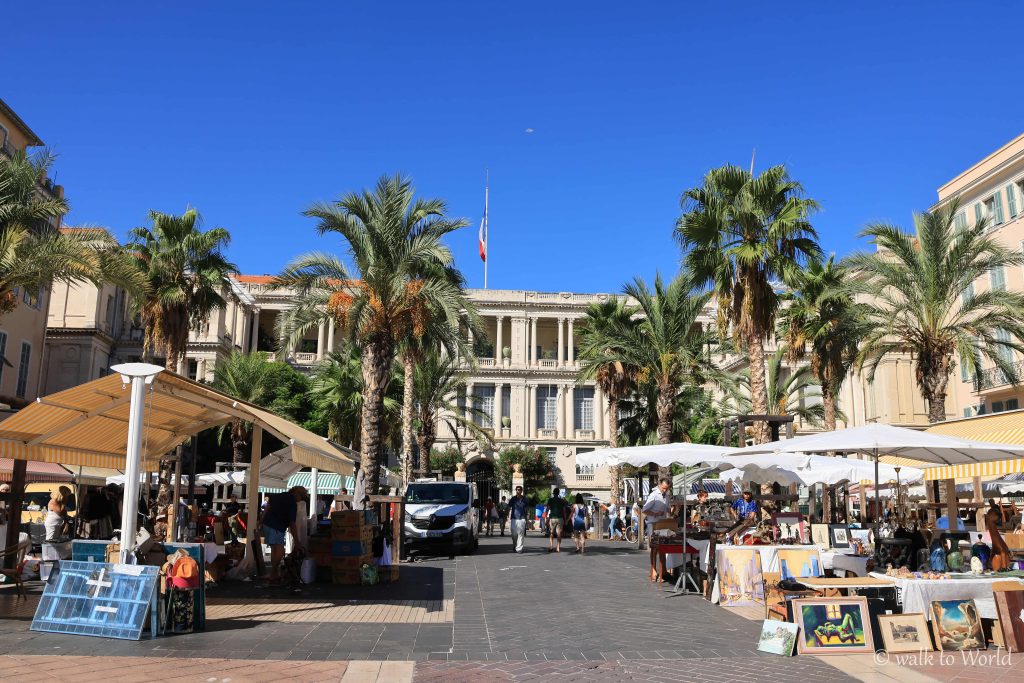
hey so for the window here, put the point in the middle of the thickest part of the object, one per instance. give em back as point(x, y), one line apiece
point(1005, 352)
point(192, 368)
point(977, 213)
point(552, 453)
point(26, 356)
point(109, 316)
point(994, 209)
point(967, 294)
point(960, 221)
point(3, 136)
point(1012, 404)
point(506, 401)
point(586, 471)
point(965, 368)
point(483, 400)
point(3, 351)
point(997, 406)
point(1011, 200)
point(833, 613)
point(997, 277)
point(967, 412)
point(547, 407)
point(583, 408)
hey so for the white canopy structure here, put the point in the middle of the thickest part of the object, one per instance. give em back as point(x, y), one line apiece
point(663, 455)
point(787, 468)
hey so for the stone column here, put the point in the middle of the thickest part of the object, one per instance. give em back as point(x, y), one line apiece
point(469, 401)
point(533, 342)
point(255, 329)
point(496, 420)
point(321, 341)
point(330, 337)
point(561, 342)
point(498, 339)
point(469, 339)
point(531, 411)
point(572, 343)
point(560, 412)
point(570, 412)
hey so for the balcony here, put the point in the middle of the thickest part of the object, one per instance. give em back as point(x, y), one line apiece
point(303, 358)
point(585, 434)
point(547, 433)
point(547, 363)
point(584, 477)
point(994, 377)
point(485, 362)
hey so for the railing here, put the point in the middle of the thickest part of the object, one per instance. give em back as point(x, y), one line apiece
point(585, 434)
point(304, 358)
point(584, 477)
point(547, 433)
point(994, 377)
point(547, 363)
point(485, 362)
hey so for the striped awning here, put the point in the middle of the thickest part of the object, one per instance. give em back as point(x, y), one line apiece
point(326, 483)
point(37, 472)
point(88, 425)
point(1002, 428)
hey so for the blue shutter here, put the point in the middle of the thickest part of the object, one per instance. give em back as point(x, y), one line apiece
point(1011, 201)
point(960, 221)
point(977, 213)
point(997, 202)
point(998, 278)
point(968, 293)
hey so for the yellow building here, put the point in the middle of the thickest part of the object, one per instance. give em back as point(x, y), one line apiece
point(993, 188)
point(23, 331)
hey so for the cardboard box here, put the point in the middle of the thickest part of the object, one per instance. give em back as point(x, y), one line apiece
point(347, 563)
point(345, 576)
point(347, 548)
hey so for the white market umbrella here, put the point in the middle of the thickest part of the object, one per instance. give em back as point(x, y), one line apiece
point(794, 468)
point(662, 455)
point(879, 440)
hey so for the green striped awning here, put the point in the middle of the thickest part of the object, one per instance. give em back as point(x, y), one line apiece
point(326, 482)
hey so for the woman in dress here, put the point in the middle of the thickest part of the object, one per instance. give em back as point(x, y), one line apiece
point(579, 515)
point(56, 520)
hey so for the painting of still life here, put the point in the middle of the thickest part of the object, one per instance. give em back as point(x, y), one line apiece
point(833, 626)
point(956, 625)
point(740, 582)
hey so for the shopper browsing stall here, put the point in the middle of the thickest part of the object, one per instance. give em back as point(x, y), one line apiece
point(655, 509)
point(280, 517)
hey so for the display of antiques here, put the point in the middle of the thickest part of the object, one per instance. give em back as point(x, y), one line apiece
point(789, 528)
point(833, 626)
point(740, 581)
point(777, 637)
point(957, 625)
point(905, 632)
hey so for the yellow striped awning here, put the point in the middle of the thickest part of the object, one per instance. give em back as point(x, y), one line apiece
point(1002, 428)
point(88, 425)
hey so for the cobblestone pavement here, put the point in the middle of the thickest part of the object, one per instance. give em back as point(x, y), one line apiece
point(562, 616)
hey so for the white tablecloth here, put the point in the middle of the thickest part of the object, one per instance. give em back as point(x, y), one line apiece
point(769, 555)
point(852, 564)
point(917, 594)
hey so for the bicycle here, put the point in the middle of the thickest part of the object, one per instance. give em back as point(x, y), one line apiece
point(630, 533)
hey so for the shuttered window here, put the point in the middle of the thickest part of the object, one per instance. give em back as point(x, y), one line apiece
point(1011, 201)
point(26, 356)
point(977, 213)
point(998, 278)
point(960, 221)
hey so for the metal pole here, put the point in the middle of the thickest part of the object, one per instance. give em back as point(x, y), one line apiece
point(313, 481)
point(878, 507)
point(139, 375)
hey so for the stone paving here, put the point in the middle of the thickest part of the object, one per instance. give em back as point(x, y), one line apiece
point(494, 616)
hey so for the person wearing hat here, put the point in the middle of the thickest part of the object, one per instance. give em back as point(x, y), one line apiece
point(745, 507)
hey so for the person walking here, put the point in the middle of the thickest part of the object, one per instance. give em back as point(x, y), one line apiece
point(517, 512)
point(491, 515)
point(555, 512)
point(502, 514)
point(580, 521)
point(613, 521)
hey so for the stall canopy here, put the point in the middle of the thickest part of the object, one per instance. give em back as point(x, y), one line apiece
point(88, 425)
point(808, 470)
point(37, 472)
point(663, 455)
point(1006, 428)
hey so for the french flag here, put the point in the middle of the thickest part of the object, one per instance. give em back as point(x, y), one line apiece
point(482, 241)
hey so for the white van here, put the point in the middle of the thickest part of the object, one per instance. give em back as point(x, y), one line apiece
point(441, 514)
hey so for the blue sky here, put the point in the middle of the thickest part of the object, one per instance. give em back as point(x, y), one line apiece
point(251, 111)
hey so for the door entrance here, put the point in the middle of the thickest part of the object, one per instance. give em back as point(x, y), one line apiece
point(482, 472)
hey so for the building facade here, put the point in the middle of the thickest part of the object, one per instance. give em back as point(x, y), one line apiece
point(23, 330)
point(992, 189)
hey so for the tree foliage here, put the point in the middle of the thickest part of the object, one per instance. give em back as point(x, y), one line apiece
point(538, 471)
point(446, 461)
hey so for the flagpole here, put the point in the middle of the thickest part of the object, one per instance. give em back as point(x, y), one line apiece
point(487, 228)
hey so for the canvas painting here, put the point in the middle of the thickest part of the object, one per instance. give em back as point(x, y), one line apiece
point(819, 535)
point(839, 535)
point(833, 625)
point(905, 632)
point(799, 563)
point(790, 526)
point(957, 625)
point(777, 637)
point(740, 582)
point(1010, 608)
point(862, 535)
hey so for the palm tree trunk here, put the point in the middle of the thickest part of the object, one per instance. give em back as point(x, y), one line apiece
point(758, 387)
point(407, 408)
point(376, 365)
point(828, 399)
point(666, 399)
point(614, 472)
point(934, 391)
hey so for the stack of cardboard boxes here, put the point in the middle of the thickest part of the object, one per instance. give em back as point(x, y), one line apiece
point(351, 544)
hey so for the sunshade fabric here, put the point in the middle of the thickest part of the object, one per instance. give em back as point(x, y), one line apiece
point(793, 468)
point(663, 455)
point(326, 483)
point(1006, 428)
point(88, 424)
point(37, 472)
point(886, 440)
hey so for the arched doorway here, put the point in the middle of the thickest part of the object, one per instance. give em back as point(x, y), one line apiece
point(481, 471)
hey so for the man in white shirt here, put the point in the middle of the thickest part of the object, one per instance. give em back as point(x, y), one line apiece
point(613, 514)
point(657, 508)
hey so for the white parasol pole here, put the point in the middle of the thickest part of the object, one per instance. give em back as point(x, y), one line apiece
point(139, 375)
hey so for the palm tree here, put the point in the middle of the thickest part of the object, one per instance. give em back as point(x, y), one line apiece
point(33, 254)
point(436, 380)
point(600, 363)
point(741, 234)
point(919, 296)
point(187, 273)
point(822, 320)
point(403, 284)
point(639, 422)
point(248, 377)
point(795, 392)
point(337, 389)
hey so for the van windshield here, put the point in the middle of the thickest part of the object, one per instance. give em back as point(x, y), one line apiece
point(450, 494)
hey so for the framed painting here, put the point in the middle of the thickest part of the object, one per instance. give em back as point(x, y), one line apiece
point(819, 535)
point(956, 625)
point(862, 535)
point(777, 637)
point(833, 626)
point(740, 582)
point(839, 535)
point(790, 527)
point(799, 563)
point(905, 632)
point(1010, 608)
